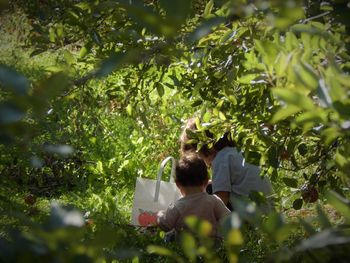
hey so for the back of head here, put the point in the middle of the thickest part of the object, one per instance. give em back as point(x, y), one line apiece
point(188, 147)
point(191, 171)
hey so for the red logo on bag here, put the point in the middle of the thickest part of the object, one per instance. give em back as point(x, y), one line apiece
point(147, 218)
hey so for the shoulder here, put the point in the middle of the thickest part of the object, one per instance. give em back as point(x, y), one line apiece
point(214, 198)
point(227, 151)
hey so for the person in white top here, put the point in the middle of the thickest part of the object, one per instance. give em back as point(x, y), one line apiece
point(231, 175)
point(191, 178)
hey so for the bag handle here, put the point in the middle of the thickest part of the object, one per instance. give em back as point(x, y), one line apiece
point(160, 172)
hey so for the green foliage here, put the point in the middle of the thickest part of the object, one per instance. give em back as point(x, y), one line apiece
point(94, 93)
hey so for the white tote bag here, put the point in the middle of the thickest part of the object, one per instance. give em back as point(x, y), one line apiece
point(153, 195)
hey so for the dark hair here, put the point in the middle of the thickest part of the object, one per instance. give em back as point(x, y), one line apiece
point(190, 148)
point(191, 171)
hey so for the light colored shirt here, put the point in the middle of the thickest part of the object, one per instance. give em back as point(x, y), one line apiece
point(201, 205)
point(230, 173)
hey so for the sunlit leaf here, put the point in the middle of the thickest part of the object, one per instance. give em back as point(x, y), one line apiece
point(207, 116)
point(205, 28)
point(85, 50)
point(295, 98)
point(199, 226)
point(189, 245)
point(248, 78)
point(291, 41)
point(306, 76)
point(284, 113)
point(234, 237)
point(330, 134)
point(208, 8)
point(159, 250)
point(268, 51)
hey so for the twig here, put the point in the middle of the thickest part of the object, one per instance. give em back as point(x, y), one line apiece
point(315, 17)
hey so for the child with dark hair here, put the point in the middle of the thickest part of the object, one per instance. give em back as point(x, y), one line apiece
point(192, 178)
point(231, 175)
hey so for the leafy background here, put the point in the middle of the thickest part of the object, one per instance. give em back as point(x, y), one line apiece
point(94, 94)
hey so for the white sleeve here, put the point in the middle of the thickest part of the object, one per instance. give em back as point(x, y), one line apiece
point(221, 177)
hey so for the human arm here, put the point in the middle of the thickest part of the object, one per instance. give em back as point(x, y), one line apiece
point(224, 196)
point(166, 219)
point(221, 181)
point(220, 209)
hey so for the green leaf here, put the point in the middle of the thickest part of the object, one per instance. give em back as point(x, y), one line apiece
point(234, 237)
point(291, 41)
point(274, 222)
point(248, 78)
point(129, 109)
point(284, 113)
point(207, 116)
point(208, 8)
point(83, 6)
point(205, 28)
point(201, 227)
point(111, 64)
point(306, 75)
point(291, 182)
point(162, 251)
point(222, 116)
point(176, 11)
point(341, 204)
point(330, 134)
point(323, 94)
point(146, 17)
point(52, 34)
point(281, 64)
point(302, 28)
point(10, 113)
point(322, 218)
point(189, 245)
point(13, 81)
point(295, 98)
point(52, 87)
point(268, 51)
point(307, 226)
point(160, 89)
point(85, 50)
point(323, 239)
point(302, 148)
point(298, 203)
point(68, 57)
point(273, 157)
point(99, 167)
point(197, 103)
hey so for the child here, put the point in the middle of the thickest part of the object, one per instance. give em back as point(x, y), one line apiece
point(192, 178)
point(231, 175)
